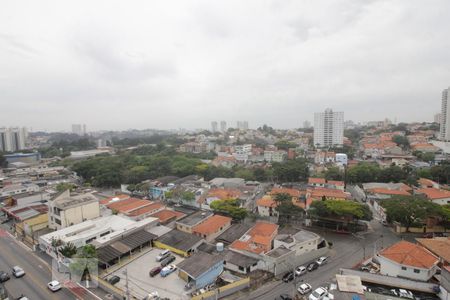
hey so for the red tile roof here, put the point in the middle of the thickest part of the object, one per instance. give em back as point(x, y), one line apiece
point(312, 180)
point(432, 193)
point(336, 182)
point(291, 192)
point(258, 239)
point(117, 197)
point(389, 192)
point(329, 193)
point(166, 215)
point(224, 193)
point(128, 204)
point(266, 201)
point(145, 210)
point(440, 246)
point(409, 254)
point(427, 182)
point(212, 225)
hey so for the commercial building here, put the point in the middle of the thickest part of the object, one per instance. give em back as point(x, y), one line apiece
point(98, 232)
point(26, 158)
point(444, 133)
point(17, 189)
point(187, 223)
point(179, 242)
point(13, 139)
point(328, 129)
point(67, 210)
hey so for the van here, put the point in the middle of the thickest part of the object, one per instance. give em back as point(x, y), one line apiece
point(162, 255)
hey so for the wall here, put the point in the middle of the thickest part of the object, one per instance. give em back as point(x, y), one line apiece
point(224, 290)
point(400, 229)
point(390, 268)
point(76, 215)
point(209, 276)
point(160, 245)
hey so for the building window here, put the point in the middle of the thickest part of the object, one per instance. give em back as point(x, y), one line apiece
point(241, 268)
point(57, 221)
point(404, 268)
point(416, 271)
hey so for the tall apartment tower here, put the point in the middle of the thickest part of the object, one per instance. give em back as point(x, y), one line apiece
point(214, 126)
point(437, 118)
point(13, 139)
point(79, 129)
point(444, 133)
point(223, 126)
point(328, 129)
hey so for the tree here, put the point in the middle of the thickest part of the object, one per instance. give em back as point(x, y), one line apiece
point(63, 186)
point(68, 250)
point(285, 145)
point(188, 196)
point(286, 209)
point(2, 160)
point(292, 171)
point(334, 173)
point(260, 174)
point(245, 174)
point(401, 141)
point(84, 263)
point(340, 208)
point(411, 210)
point(229, 207)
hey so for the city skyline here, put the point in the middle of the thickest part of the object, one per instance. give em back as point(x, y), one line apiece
point(274, 63)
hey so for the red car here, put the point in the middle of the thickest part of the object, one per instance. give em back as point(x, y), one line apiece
point(155, 271)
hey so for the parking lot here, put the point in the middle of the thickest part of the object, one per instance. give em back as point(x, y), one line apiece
point(140, 283)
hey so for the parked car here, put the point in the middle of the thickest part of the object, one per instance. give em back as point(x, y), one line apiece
point(168, 270)
point(162, 255)
point(4, 276)
point(318, 294)
point(54, 285)
point(167, 260)
point(300, 271)
point(322, 260)
point(114, 279)
point(18, 271)
point(304, 288)
point(152, 296)
point(155, 271)
point(288, 277)
point(312, 266)
point(402, 293)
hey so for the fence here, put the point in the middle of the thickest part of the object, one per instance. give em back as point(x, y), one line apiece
point(225, 290)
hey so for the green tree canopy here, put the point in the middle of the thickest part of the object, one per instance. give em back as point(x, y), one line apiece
point(229, 207)
point(340, 208)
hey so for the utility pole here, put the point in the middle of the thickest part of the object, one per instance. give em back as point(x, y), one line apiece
point(127, 292)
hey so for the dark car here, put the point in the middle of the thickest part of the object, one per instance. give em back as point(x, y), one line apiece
point(283, 297)
point(114, 279)
point(155, 271)
point(166, 261)
point(288, 277)
point(312, 266)
point(4, 276)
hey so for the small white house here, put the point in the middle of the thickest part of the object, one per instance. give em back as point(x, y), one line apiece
point(408, 260)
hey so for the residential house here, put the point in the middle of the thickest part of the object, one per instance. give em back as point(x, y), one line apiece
point(439, 246)
point(425, 147)
point(408, 260)
point(438, 196)
point(136, 209)
point(266, 206)
point(258, 239)
point(212, 227)
point(324, 157)
point(166, 216)
point(428, 183)
point(239, 262)
point(316, 182)
point(187, 223)
point(67, 210)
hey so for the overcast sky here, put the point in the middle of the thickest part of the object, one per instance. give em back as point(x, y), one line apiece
point(182, 64)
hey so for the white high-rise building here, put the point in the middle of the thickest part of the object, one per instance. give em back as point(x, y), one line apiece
point(79, 129)
point(445, 115)
point(13, 139)
point(328, 129)
point(437, 118)
point(223, 126)
point(214, 126)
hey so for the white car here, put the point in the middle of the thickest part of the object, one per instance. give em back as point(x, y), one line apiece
point(54, 285)
point(304, 288)
point(168, 270)
point(300, 271)
point(18, 271)
point(322, 260)
point(318, 294)
point(162, 255)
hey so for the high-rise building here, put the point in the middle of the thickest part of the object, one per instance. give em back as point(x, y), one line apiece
point(306, 124)
point(437, 118)
point(79, 129)
point(445, 115)
point(223, 126)
point(13, 139)
point(245, 125)
point(328, 128)
point(214, 126)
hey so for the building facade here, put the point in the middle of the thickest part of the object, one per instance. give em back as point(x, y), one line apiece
point(444, 133)
point(13, 139)
point(328, 128)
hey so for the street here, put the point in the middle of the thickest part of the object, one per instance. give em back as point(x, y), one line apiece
point(346, 252)
point(38, 274)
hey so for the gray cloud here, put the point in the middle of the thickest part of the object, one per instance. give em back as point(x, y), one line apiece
point(146, 64)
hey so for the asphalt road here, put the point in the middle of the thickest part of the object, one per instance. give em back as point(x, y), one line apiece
point(38, 274)
point(347, 251)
